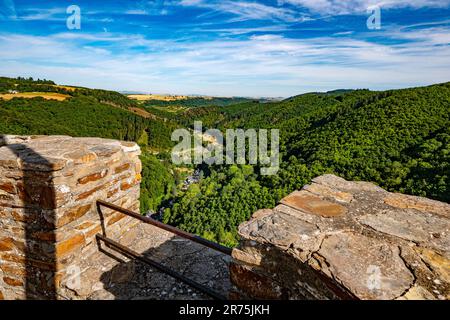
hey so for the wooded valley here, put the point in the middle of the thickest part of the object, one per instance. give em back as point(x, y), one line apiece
point(398, 139)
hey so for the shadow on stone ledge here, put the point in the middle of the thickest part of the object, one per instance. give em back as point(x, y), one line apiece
point(131, 279)
point(27, 197)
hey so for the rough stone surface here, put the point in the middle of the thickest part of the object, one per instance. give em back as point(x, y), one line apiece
point(337, 239)
point(354, 260)
point(313, 204)
point(132, 280)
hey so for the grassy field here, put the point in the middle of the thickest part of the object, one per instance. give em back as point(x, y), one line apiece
point(172, 109)
point(45, 95)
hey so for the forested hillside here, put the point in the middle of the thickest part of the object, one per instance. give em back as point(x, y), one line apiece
point(88, 112)
point(399, 139)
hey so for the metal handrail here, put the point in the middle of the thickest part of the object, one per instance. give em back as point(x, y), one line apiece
point(133, 254)
point(178, 232)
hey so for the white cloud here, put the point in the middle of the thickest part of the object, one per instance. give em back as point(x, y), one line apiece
point(136, 12)
point(338, 7)
point(243, 31)
point(149, 7)
point(52, 14)
point(244, 10)
point(264, 65)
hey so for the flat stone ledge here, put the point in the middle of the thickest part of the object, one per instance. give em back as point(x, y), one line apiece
point(134, 280)
point(53, 153)
point(343, 239)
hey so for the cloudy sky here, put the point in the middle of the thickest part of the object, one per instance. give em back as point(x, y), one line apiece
point(229, 48)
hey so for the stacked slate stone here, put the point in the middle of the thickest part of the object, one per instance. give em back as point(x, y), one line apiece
point(48, 215)
point(337, 239)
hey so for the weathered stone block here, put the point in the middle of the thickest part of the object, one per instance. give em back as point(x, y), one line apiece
point(6, 244)
point(115, 218)
point(328, 192)
point(250, 259)
point(403, 201)
point(89, 193)
point(338, 239)
point(13, 270)
point(11, 257)
point(68, 246)
point(368, 267)
point(49, 219)
point(81, 156)
point(122, 168)
point(255, 285)
point(13, 282)
point(309, 203)
point(72, 214)
point(8, 187)
point(93, 177)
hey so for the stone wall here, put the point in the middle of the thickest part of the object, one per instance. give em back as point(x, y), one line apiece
point(48, 215)
point(337, 239)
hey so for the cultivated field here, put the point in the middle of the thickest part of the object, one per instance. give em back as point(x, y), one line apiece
point(45, 95)
point(66, 87)
point(146, 97)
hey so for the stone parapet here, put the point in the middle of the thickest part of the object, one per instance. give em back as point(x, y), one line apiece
point(337, 239)
point(48, 215)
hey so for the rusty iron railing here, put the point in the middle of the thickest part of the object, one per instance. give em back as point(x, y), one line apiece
point(135, 255)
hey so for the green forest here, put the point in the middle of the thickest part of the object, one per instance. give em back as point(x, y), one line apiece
point(398, 139)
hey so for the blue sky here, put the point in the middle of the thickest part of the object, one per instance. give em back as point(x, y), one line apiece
point(254, 48)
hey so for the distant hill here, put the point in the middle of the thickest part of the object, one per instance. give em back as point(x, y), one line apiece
point(189, 101)
point(339, 91)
